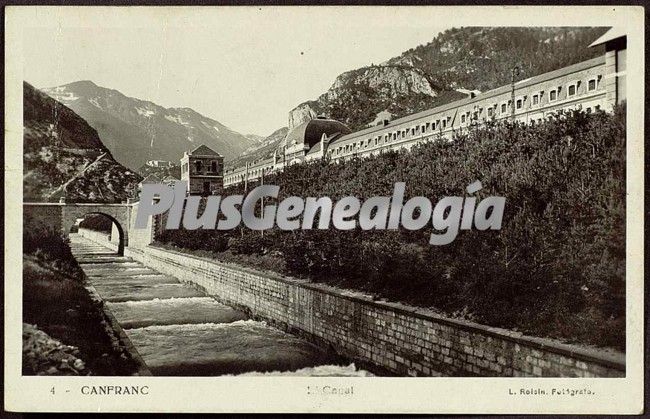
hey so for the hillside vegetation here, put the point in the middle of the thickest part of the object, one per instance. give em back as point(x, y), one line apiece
point(481, 57)
point(557, 267)
point(71, 335)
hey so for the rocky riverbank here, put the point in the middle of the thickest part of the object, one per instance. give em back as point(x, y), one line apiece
point(43, 355)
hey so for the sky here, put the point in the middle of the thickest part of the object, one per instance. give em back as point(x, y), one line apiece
point(245, 67)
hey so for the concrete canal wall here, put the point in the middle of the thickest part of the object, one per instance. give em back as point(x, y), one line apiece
point(395, 338)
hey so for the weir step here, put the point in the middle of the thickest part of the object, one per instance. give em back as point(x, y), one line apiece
point(179, 330)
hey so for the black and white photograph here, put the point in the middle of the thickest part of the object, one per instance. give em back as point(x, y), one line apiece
point(330, 196)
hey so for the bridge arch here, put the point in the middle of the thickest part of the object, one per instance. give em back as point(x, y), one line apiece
point(119, 214)
point(121, 230)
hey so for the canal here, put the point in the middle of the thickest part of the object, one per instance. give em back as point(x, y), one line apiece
point(180, 331)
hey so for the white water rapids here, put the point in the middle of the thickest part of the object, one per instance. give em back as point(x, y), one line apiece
point(180, 331)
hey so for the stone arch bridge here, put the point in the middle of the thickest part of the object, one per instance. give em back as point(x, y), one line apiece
point(63, 216)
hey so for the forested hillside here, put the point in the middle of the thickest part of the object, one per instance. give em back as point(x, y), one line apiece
point(481, 58)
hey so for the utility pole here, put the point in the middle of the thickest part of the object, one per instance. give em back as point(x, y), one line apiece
point(241, 229)
point(262, 200)
point(246, 179)
point(515, 72)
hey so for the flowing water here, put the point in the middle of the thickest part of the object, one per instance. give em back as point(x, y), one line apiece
point(178, 330)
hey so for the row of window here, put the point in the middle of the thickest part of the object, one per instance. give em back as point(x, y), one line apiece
point(364, 144)
point(213, 167)
point(501, 109)
point(425, 128)
point(351, 147)
point(252, 173)
point(537, 99)
point(255, 173)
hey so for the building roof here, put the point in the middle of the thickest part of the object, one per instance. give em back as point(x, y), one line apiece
point(486, 95)
point(381, 117)
point(330, 138)
point(150, 178)
point(170, 178)
point(310, 132)
point(204, 150)
point(610, 35)
point(315, 149)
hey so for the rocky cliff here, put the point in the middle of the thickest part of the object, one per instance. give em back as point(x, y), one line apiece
point(381, 84)
point(455, 61)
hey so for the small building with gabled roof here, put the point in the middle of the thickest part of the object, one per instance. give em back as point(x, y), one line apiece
point(150, 178)
point(169, 180)
point(202, 169)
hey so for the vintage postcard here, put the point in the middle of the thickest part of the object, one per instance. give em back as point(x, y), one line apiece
point(324, 209)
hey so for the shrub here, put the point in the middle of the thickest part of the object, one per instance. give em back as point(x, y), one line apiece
point(51, 246)
point(557, 267)
point(97, 222)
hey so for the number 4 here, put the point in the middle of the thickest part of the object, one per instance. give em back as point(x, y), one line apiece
point(52, 390)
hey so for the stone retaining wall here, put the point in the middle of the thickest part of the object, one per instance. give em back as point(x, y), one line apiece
point(398, 339)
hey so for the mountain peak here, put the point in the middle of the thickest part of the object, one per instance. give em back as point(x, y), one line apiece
point(137, 130)
point(82, 83)
point(72, 91)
